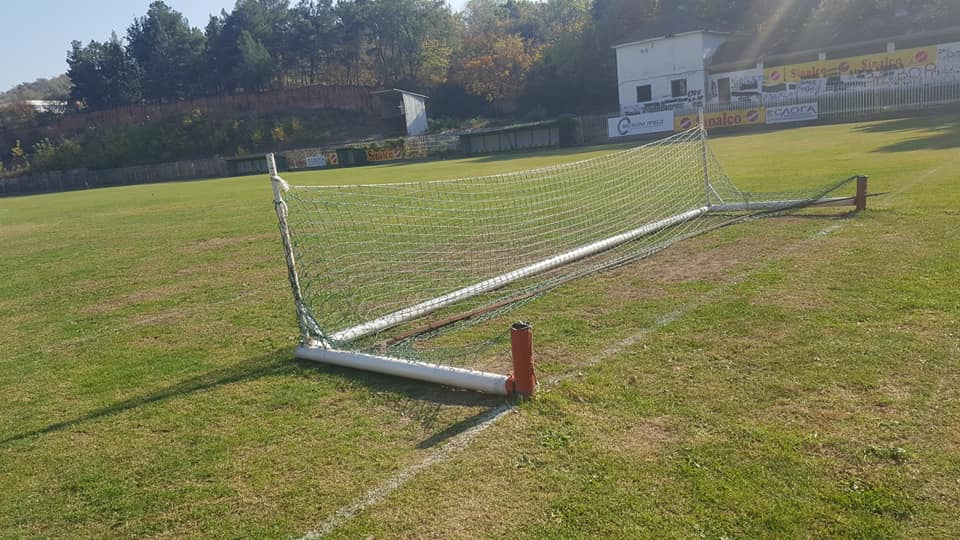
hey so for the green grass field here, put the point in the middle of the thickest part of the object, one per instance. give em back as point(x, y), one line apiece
point(794, 377)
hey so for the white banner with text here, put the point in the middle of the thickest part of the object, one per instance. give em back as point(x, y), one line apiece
point(805, 112)
point(640, 124)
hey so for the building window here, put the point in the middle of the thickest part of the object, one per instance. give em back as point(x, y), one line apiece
point(644, 93)
point(678, 88)
point(723, 89)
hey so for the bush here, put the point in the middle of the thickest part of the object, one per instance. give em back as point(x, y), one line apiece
point(191, 136)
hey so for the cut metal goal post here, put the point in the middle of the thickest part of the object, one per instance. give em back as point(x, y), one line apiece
point(380, 271)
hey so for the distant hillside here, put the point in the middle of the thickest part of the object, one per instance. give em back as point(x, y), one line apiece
point(57, 88)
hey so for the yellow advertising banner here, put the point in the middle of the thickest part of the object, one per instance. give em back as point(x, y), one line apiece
point(720, 120)
point(385, 154)
point(870, 63)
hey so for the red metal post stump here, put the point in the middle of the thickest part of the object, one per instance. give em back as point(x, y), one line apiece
point(523, 378)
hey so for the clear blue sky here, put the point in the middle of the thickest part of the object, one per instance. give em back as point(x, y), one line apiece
point(37, 34)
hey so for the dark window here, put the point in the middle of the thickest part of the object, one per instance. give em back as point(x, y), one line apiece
point(644, 94)
point(678, 88)
point(723, 89)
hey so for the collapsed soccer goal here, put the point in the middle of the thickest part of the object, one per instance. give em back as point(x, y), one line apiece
point(379, 270)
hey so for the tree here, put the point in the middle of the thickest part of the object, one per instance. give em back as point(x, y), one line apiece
point(351, 65)
point(495, 66)
point(256, 67)
point(168, 52)
point(312, 39)
point(57, 88)
point(411, 40)
point(103, 75)
point(230, 53)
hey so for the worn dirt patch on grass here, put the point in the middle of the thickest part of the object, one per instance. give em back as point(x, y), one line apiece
point(219, 242)
point(706, 259)
point(116, 303)
point(648, 437)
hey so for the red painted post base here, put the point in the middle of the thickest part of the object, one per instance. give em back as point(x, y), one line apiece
point(860, 201)
point(523, 380)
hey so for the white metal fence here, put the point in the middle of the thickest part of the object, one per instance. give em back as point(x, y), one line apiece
point(848, 102)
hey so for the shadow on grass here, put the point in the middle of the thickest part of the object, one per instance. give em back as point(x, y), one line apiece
point(249, 369)
point(421, 401)
point(822, 216)
point(429, 405)
point(933, 133)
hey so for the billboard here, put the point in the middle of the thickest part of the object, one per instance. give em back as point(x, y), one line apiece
point(718, 120)
point(640, 124)
point(792, 113)
point(948, 59)
point(385, 154)
point(853, 67)
point(323, 160)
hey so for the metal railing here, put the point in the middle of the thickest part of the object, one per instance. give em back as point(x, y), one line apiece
point(846, 101)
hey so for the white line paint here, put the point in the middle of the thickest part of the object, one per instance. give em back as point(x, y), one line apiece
point(379, 493)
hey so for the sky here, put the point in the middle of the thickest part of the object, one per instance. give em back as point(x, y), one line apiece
point(37, 34)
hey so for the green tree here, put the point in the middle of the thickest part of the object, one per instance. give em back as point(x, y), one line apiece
point(168, 53)
point(312, 39)
point(102, 74)
point(411, 40)
point(235, 53)
point(256, 67)
point(57, 88)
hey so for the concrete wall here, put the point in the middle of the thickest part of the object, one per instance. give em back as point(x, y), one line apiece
point(42, 182)
point(657, 63)
point(510, 140)
point(415, 110)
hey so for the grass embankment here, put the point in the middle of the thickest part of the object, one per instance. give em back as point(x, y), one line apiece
point(793, 377)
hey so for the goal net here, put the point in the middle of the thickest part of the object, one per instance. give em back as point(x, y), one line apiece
point(377, 268)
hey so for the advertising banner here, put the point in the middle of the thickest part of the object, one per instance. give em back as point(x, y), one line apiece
point(685, 122)
point(720, 120)
point(322, 160)
point(385, 154)
point(852, 66)
point(317, 161)
point(948, 57)
point(640, 124)
point(792, 113)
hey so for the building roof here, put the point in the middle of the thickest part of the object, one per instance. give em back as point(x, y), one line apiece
point(773, 45)
point(655, 36)
point(674, 19)
point(509, 128)
point(392, 90)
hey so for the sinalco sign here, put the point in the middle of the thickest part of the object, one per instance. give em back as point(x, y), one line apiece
point(804, 112)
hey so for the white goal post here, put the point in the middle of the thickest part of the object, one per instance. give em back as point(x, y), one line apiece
point(364, 261)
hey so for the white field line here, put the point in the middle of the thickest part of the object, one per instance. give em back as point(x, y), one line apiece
point(461, 441)
point(381, 492)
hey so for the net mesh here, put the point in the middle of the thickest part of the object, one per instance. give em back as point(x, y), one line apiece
point(385, 267)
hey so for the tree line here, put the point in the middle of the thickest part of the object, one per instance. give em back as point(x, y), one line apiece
point(552, 54)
